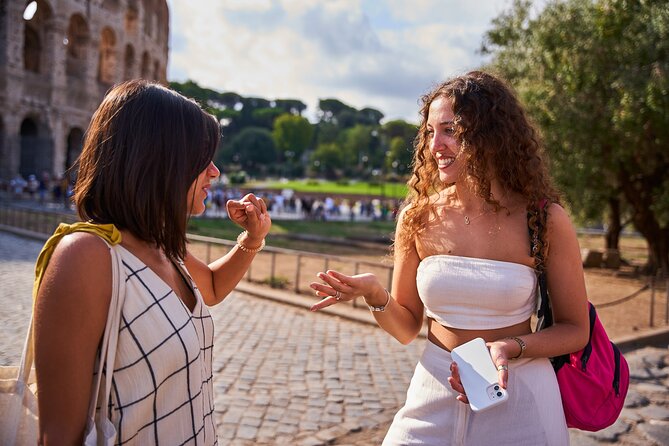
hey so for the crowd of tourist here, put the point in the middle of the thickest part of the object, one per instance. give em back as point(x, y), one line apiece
point(286, 204)
point(289, 205)
point(43, 189)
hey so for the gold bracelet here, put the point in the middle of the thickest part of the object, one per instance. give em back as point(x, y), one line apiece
point(247, 249)
point(521, 343)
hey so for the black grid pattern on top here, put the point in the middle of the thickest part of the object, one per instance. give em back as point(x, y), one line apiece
point(162, 386)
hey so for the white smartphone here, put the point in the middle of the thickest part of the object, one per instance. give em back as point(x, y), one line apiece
point(478, 375)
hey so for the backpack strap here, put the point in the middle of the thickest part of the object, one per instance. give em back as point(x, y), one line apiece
point(587, 350)
point(544, 311)
point(616, 373)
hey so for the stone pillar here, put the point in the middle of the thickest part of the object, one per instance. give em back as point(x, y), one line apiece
point(55, 34)
point(13, 141)
point(59, 136)
point(13, 87)
point(59, 97)
point(4, 156)
point(92, 84)
point(15, 35)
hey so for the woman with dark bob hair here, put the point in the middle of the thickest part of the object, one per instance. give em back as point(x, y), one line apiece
point(463, 259)
point(145, 168)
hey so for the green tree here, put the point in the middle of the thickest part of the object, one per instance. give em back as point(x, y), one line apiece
point(265, 117)
point(292, 134)
point(399, 156)
point(327, 159)
point(594, 75)
point(370, 116)
point(398, 136)
point(355, 142)
point(330, 109)
point(253, 149)
point(293, 106)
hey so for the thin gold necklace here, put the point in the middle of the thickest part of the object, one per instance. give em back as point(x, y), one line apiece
point(469, 220)
point(485, 211)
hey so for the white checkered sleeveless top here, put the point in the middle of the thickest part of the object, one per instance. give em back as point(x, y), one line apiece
point(162, 390)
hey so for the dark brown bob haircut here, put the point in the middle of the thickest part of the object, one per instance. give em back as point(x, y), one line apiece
point(144, 147)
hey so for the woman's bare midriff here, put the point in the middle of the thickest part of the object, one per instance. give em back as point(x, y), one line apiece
point(448, 337)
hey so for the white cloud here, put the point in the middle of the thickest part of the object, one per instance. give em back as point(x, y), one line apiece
point(384, 54)
point(248, 5)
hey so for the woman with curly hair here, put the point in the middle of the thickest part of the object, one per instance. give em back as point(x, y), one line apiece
point(463, 258)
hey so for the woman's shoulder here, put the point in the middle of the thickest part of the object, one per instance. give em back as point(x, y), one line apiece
point(78, 277)
point(556, 212)
point(83, 257)
point(82, 244)
point(558, 221)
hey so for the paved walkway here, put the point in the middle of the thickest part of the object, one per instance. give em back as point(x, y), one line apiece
point(285, 376)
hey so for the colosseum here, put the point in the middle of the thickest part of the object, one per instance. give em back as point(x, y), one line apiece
point(57, 60)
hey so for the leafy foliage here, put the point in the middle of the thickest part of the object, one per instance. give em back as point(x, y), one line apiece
point(292, 134)
point(594, 75)
point(345, 141)
point(253, 149)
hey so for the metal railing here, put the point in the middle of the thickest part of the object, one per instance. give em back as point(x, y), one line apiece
point(288, 268)
point(291, 269)
point(282, 268)
point(33, 220)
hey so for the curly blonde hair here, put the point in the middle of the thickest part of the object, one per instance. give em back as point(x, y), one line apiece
point(497, 141)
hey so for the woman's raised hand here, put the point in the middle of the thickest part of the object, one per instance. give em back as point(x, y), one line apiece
point(339, 287)
point(250, 212)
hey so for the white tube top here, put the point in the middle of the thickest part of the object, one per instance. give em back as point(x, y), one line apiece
point(472, 293)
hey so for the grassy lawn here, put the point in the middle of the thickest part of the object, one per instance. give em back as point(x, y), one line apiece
point(225, 229)
point(390, 190)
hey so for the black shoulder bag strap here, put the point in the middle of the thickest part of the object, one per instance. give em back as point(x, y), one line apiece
point(545, 311)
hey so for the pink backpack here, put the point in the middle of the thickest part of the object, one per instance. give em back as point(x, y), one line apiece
point(593, 381)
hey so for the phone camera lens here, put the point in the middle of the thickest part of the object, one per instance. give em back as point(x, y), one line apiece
point(496, 387)
point(499, 393)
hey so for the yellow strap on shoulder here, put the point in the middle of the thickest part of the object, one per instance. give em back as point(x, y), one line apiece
point(107, 232)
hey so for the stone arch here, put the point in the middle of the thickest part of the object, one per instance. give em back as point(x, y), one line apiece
point(129, 65)
point(32, 50)
point(78, 39)
point(74, 144)
point(146, 65)
point(131, 17)
point(107, 61)
point(34, 36)
point(36, 148)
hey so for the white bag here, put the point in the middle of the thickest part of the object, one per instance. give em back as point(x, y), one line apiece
point(18, 389)
point(18, 402)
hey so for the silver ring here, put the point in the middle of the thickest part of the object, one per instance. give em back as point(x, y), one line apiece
point(503, 367)
point(337, 295)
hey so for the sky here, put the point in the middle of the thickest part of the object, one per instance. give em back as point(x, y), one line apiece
point(382, 54)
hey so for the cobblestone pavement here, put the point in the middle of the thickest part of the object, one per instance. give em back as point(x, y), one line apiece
point(284, 376)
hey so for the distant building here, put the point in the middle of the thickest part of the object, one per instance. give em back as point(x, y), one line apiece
point(56, 63)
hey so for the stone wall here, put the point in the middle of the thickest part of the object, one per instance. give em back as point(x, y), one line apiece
point(56, 66)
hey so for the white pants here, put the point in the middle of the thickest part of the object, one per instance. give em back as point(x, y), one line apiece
point(532, 416)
